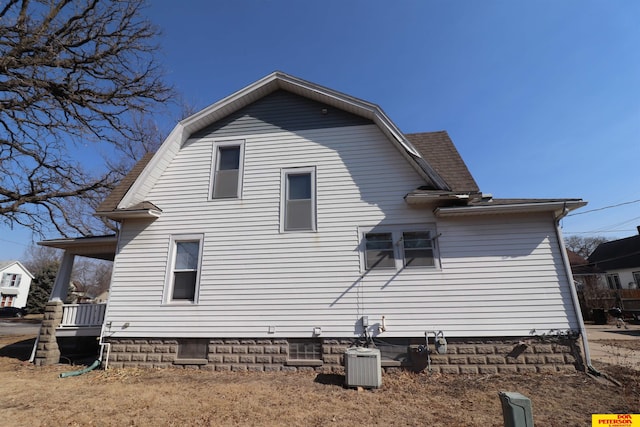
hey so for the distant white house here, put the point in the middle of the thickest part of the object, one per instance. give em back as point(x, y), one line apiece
point(14, 284)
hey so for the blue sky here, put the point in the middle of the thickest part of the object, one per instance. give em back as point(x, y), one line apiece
point(541, 98)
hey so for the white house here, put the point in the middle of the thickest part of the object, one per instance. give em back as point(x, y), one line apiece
point(288, 221)
point(15, 281)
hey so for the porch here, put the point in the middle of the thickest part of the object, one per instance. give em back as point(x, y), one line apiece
point(71, 321)
point(81, 320)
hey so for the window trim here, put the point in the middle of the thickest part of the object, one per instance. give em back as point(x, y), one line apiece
point(214, 166)
point(171, 262)
point(636, 278)
point(284, 173)
point(398, 247)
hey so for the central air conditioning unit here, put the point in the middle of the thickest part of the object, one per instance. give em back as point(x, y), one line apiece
point(362, 367)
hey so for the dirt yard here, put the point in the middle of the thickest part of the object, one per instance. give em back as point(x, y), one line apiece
point(35, 396)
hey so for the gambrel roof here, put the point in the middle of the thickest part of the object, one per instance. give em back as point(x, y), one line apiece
point(431, 154)
point(137, 191)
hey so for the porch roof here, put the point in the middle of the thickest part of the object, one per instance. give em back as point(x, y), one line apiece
point(98, 247)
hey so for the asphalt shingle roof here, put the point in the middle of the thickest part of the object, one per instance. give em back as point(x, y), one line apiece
point(622, 253)
point(110, 203)
point(438, 149)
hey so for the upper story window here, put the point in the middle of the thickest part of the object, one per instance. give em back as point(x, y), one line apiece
point(227, 174)
point(299, 199)
point(11, 279)
point(397, 247)
point(184, 271)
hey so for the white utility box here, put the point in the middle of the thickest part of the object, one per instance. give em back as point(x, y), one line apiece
point(362, 367)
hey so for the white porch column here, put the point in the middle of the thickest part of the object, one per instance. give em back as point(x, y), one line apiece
point(61, 285)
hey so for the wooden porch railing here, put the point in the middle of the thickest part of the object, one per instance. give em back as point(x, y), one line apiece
point(82, 315)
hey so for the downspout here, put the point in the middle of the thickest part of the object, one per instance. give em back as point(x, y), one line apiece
point(105, 326)
point(574, 293)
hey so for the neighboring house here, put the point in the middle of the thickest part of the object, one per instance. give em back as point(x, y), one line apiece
point(590, 284)
point(102, 297)
point(288, 221)
point(620, 261)
point(76, 293)
point(15, 281)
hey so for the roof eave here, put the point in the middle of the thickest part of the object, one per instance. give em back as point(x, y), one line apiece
point(120, 214)
point(99, 247)
point(416, 199)
point(559, 208)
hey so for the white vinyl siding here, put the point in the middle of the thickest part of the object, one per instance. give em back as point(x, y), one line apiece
point(499, 276)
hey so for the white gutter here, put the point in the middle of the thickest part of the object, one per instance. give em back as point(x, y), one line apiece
point(574, 293)
point(126, 213)
point(559, 206)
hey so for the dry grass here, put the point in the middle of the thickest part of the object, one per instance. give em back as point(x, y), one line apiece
point(135, 397)
point(628, 344)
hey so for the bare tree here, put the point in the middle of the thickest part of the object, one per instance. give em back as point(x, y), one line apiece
point(35, 257)
point(584, 246)
point(72, 72)
point(91, 275)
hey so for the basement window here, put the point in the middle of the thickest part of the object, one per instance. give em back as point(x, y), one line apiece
point(192, 351)
point(305, 352)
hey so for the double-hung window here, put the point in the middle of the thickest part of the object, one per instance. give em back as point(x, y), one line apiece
point(227, 174)
point(379, 251)
point(11, 279)
point(418, 249)
point(184, 274)
point(398, 247)
point(299, 199)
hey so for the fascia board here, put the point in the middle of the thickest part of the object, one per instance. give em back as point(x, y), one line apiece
point(84, 246)
point(134, 195)
point(124, 214)
point(444, 212)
